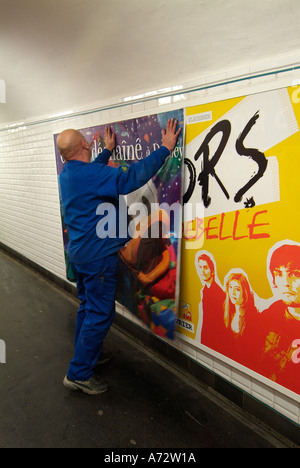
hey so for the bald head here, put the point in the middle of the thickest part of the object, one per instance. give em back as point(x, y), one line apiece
point(71, 144)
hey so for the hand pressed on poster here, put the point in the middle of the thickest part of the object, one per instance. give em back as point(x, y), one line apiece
point(109, 139)
point(170, 135)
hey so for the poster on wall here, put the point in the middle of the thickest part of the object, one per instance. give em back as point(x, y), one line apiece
point(240, 270)
point(148, 283)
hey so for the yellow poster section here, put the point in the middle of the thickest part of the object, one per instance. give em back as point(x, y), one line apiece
point(218, 109)
point(233, 247)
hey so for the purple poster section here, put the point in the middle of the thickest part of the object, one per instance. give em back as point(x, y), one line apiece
point(148, 283)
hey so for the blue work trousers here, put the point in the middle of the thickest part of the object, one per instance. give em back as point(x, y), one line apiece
point(96, 285)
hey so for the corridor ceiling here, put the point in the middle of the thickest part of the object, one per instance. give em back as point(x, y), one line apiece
point(61, 55)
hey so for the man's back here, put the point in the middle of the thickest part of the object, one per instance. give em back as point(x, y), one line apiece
point(84, 186)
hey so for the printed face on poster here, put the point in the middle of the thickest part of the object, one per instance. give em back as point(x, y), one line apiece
point(148, 283)
point(240, 271)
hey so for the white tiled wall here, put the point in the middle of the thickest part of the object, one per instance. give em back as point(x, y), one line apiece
point(30, 213)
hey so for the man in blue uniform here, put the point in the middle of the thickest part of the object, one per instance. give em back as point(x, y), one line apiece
point(84, 186)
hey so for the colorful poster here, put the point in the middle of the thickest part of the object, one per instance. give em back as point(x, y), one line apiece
point(240, 270)
point(148, 284)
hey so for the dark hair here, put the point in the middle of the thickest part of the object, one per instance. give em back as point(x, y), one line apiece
point(207, 259)
point(287, 256)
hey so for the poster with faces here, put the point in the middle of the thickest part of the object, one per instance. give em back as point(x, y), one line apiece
point(240, 289)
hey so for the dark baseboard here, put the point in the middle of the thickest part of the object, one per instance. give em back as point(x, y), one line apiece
point(235, 395)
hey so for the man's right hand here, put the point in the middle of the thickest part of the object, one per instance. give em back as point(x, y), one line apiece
point(170, 136)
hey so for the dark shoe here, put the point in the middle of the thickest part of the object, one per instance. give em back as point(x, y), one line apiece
point(93, 386)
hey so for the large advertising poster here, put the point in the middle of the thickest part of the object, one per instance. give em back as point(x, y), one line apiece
point(240, 271)
point(148, 284)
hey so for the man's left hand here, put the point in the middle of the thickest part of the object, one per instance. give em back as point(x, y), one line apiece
point(109, 139)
